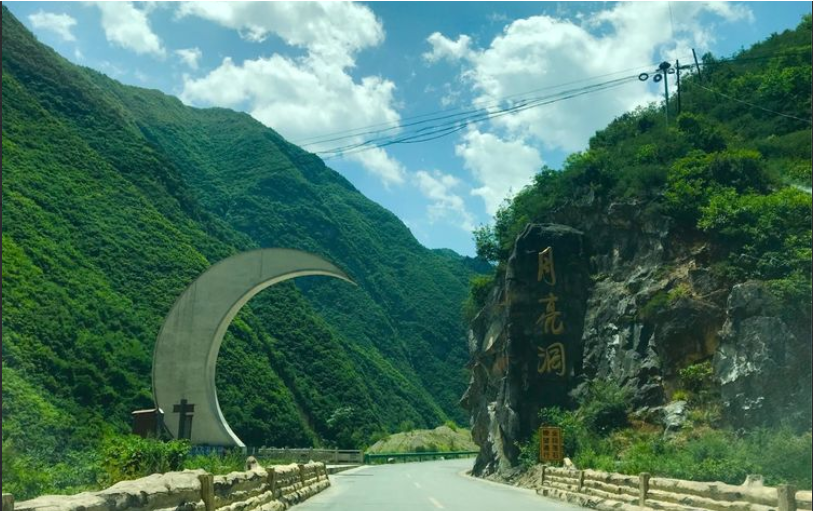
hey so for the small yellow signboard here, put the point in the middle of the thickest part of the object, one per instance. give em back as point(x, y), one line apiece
point(551, 445)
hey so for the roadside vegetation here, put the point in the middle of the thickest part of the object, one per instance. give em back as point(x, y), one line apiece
point(601, 434)
point(119, 458)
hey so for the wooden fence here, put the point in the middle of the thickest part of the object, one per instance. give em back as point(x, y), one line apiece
point(604, 490)
point(273, 488)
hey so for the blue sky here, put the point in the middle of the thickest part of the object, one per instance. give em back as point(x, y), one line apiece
point(310, 70)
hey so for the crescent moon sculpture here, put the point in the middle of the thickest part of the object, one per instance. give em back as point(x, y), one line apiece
point(185, 355)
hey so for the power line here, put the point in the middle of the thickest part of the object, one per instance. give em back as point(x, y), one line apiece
point(476, 106)
point(752, 104)
point(428, 128)
point(479, 116)
point(469, 117)
point(446, 129)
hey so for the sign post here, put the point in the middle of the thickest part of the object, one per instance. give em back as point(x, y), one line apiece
point(551, 445)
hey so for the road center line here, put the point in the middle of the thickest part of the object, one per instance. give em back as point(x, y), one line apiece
point(417, 485)
point(436, 503)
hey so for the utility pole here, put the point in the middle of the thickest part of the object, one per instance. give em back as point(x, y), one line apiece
point(664, 68)
point(660, 74)
point(677, 72)
point(697, 65)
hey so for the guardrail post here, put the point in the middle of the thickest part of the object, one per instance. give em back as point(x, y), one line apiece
point(8, 502)
point(207, 492)
point(786, 495)
point(301, 473)
point(544, 467)
point(643, 487)
point(581, 479)
point(272, 481)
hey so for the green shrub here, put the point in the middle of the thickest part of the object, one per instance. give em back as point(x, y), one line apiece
point(697, 378)
point(701, 132)
point(604, 407)
point(131, 457)
point(694, 180)
point(768, 236)
point(479, 288)
point(214, 463)
point(680, 395)
point(654, 306)
point(529, 451)
point(703, 454)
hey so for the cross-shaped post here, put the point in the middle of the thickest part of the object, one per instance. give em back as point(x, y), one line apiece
point(185, 420)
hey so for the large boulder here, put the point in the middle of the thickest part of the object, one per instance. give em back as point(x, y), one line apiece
point(526, 344)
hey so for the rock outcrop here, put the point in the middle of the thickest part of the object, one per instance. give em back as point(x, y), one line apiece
point(526, 344)
point(643, 303)
point(763, 366)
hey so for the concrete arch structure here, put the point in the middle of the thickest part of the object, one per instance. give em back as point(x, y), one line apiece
point(185, 355)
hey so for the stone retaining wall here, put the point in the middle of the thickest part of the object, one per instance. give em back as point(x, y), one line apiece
point(273, 488)
point(604, 491)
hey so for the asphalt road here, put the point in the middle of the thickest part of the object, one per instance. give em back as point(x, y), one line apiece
point(427, 486)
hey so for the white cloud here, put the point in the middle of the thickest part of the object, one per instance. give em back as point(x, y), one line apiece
point(445, 204)
point(329, 30)
point(503, 167)
point(141, 77)
point(382, 165)
point(60, 24)
point(445, 48)
point(307, 96)
point(189, 56)
point(546, 52)
point(128, 27)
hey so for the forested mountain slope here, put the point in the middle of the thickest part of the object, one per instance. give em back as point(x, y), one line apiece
point(115, 198)
point(696, 238)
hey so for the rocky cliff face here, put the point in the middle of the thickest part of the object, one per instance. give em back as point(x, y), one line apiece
point(638, 302)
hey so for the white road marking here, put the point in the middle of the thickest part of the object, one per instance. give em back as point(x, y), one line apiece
point(409, 476)
point(436, 503)
point(417, 485)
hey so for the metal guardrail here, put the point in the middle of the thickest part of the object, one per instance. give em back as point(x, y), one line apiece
point(334, 456)
point(393, 457)
point(350, 456)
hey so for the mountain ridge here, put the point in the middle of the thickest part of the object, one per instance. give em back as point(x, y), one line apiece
point(115, 198)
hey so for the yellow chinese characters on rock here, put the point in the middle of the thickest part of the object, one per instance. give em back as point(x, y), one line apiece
point(550, 319)
point(546, 271)
point(552, 359)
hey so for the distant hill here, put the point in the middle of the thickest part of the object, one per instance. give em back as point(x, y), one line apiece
point(116, 198)
point(440, 439)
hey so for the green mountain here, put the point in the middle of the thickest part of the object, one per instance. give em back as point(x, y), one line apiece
point(733, 169)
point(116, 198)
point(687, 294)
